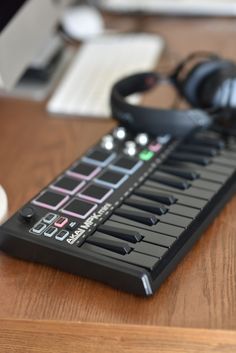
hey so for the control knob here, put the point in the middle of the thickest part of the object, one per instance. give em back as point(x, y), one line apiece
point(142, 139)
point(107, 142)
point(120, 133)
point(130, 148)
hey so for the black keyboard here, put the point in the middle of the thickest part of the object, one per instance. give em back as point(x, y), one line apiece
point(128, 210)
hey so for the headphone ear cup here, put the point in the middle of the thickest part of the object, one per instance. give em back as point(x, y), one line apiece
point(218, 91)
point(200, 73)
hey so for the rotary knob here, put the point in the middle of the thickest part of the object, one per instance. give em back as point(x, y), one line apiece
point(142, 139)
point(107, 142)
point(130, 148)
point(120, 133)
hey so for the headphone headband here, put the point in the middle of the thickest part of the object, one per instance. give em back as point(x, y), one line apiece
point(154, 121)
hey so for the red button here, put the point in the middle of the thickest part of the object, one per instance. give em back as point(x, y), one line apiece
point(61, 222)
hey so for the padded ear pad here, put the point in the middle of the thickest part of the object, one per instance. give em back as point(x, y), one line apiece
point(192, 85)
point(218, 90)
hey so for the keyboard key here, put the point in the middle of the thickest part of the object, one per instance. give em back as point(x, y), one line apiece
point(49, 218)
point(160, 227)
point(147, 236)
point(193, 192)
point(229, 162)
point(173, 181)
point(68, 185)
point(211, 172)
point(184, 211)
point(176, 220)
point(78, 208)
point(167, 199)
point(132, 236)
point(99, 157)
point(181, 199)
point(199, 183)
point(97, 66)
point(118, 247)
point(208, 185)
point(140, 247)
point(39, 228)
point(184, 173)
point(189, 157)
point(50, 232)
point(221, 169)
point(150, 249)
point(126, 165)
point(146, 205)
point(51, 200)
point(62, 235)
point(111, 178)
point(133, 258)
point(212, 142)
point(96, 193)
point(229, 154)
point(136, 215)
point(84, 170)
point(205, 151)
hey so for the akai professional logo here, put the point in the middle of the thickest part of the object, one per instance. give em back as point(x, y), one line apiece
point(90, 222)
point(76, 235)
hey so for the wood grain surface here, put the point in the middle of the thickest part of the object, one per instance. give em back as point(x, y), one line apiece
point(74, 337)
point(200, 293)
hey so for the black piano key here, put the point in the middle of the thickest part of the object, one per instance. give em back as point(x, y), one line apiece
point(136, 215)
point(199, 183)
point(173, 181)
point(173, 219)
point(228, 131)
point(211, 172)
point(181, 172)
point(189, 157)
point(133, 258)
point(160, 227)
point(147, 236)
point(109, 244)
point(173, 209)
point(205, 151)
point(141, 247)
point(146, 205)
point(184, 211)
point(132, 236)
point(159, 196)
point(193, 192)
point(204, 141)
point(181, 199)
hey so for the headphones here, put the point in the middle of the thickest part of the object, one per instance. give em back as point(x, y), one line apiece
point(205, 81)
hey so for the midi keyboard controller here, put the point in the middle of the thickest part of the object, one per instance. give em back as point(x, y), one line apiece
point(127, 211)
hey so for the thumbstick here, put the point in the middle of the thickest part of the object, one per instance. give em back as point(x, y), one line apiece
point(27, 213)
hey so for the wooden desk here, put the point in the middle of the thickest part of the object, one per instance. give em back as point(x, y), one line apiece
point(44, 310)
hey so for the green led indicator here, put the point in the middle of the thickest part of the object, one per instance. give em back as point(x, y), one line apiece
point(146, 155)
